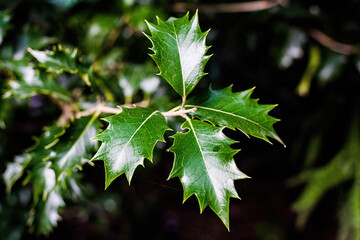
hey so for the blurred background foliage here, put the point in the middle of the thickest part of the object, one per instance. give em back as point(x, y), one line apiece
point(303, 55)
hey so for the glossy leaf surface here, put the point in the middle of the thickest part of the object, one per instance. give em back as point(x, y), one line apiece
point(58, 60)
point(236, 111)
point(179, 51)
point(205, 166)
point(130, 137)
point(49, 166)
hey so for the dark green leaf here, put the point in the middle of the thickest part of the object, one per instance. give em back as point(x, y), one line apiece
point(4, 24)
point(45, 215)
point(75, 146)
point(237, 111)
point(349, 220)
point(14, 171)
point(59, 60)
point(179, 51)
point(49, 166)
point(35, 83)
point(205, 166)
point(130, 137)
point(319, 181)
point(135, 77)
point(331, 67)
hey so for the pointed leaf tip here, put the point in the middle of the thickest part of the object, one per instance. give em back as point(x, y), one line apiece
point(205, 166)
point(179, 52)
point(237, 111)
point(129, 138)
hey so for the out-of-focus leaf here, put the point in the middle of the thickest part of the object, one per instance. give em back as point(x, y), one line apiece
point(34, 82)
point(236, 111)
point(5, 114)
point(66, 3)
point(205, 166)
point(4, 24)
point(99, 30)
point(139, 13)
point(350, 213)
point(135, 77)
point(45, 215)
point(13, 226)
point(50, 166)
point(59, 60)
point(293, 48)
point(30, 38)
point(319, 181)
point(14, 171)
point(74, 147)
point(331, 67)
point(179, 51)
point(357, 62)
point(314, 61)
point(349, 228)
point(129, 139)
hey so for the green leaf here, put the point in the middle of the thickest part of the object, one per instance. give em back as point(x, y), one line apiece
point(33, 82)
point(49, 166)
point(349, 220)
point(205, 166)
point(340, 169)
point(135, 77)
point(179, 51)
point(48, 139)
point(130, 137)
point(34, 157)
point(75, 146)
point(4, 24)
point(59, 60)
point(45, 215)
point(14, 171)
point(99, 30)
point(236, 111)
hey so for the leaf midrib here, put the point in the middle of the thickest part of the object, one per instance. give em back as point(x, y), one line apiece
point(181, 68)
point(202, 154)
point(122, 151)
point(229, 113)
point(88, 125)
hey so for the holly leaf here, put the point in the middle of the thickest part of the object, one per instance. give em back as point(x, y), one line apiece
point(49, 165)
point(130, 137)
point(349, 216)
point(236, 111)
point(75, 146)
point(64, 60)
point(134, 77)
point(14, 171)
point(45, 215)
point(31, 82)
point(179, 51)
point(59, 60)
point(205, 166)
point(4, 24)
point(34, 156)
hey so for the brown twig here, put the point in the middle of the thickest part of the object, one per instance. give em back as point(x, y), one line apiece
point(102, 108)
point(228, 7)
point(330, 43)
point(67, 110)
point(181, 112)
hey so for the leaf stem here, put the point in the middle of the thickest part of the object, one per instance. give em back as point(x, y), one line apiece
point(180, 112)
point(183, 102)
point(102, 108)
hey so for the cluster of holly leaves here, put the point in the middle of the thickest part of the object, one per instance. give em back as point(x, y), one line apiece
point(203, 156)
